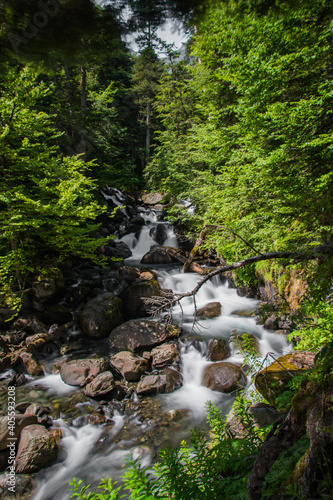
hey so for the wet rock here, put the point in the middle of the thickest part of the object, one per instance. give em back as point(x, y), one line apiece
point(128, 273)
point(37, 449)
point(56, 313)
point(31, 365)
point(157, 255)
point(100, 315)
point(142, 335)
point(152, 198)
point(47, 291)
point(19, 422)
point(165, 382)
point(81, 372)
point(77, 294)
point(38, 409)
point(271, 323)
point(117, 249)
point(133, 297)
point(247, 343)
point(70, 347)
point(223, 377)
point(102, 384)
point(211, 310)
point(262, 414)
point(165, 355)
point(24, 487)
point(218, 349)
point(271, 381)
point(129, 365)
point(159, 233)
point(30, 324)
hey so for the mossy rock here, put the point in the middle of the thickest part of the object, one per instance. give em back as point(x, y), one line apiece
point(272, 381)
point(247, 343)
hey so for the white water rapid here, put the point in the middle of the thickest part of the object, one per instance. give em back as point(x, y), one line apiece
point(84, 454)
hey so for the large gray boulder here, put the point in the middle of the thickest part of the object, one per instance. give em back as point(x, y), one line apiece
point(81, 372)
point(129, 365)
point(37, 449)
point(100, 315)
point(223, 377)
point(136, 335)
point(166, 381)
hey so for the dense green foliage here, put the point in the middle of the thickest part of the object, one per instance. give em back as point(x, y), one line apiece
point(214, 466)
point(250, 143)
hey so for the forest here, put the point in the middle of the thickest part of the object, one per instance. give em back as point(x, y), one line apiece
point(235, 132)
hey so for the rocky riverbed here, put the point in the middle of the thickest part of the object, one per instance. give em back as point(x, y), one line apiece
point(95, 376)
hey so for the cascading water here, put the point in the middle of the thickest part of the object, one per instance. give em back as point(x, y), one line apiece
point(85, 458)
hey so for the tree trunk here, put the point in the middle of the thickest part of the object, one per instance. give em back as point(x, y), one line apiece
point(82, 149)
point(195, 249)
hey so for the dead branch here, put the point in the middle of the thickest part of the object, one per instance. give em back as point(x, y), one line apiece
point(322, 251)
point(195, 249)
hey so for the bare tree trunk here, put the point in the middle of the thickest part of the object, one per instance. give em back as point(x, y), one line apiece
point(195, 249)
point(148, 131)
point(83, 89)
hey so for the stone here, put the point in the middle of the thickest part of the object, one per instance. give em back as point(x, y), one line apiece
point(117, 249)
point(37, 409)
point(128, 273)
point(70, 347)
point(134, 305)
point(31, 365)
point(157, 255)
point(165, 355)
point(271, 323)
point(24, 487)
point(101, 315)
point(165, 382)
point(37, 449)
point(102, 384)
point(218, 349)
point(129, 365)
point(223, 377)
point(211, 310)
point(246, 342)
point(81, 372)
point(57, 313)
point(152, 198)
point(19, 422)
point(159, 233)
point(135, 335)
point(272, 380)
point(48, 289)
point(262, 414)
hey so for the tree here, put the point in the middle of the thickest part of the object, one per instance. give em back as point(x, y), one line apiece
point(46, 203)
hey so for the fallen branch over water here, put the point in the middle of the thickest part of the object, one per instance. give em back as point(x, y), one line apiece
point(322, 252)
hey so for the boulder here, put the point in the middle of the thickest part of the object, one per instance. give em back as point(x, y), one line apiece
point(19, 422)
point(272, 322)
point(81, 372)
point(211, 310)
point(218, 349)
point(102, 384)
point(31, 365)
point(159, 233)
point(129, 365)
point(135, 335)
point(223, 377)
point(100, 315)
point(128, 273)
point(117, 249)
point(262, 414)
point(165, 355)
point(246, 342)
point(166, 381)
point(133, 297)
point(157, 255)
point(37, 449)
point(24, 487)
point(70, 347)
point(56, 313)
point(152, 198)
point(272, 380)
point(47, 290)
